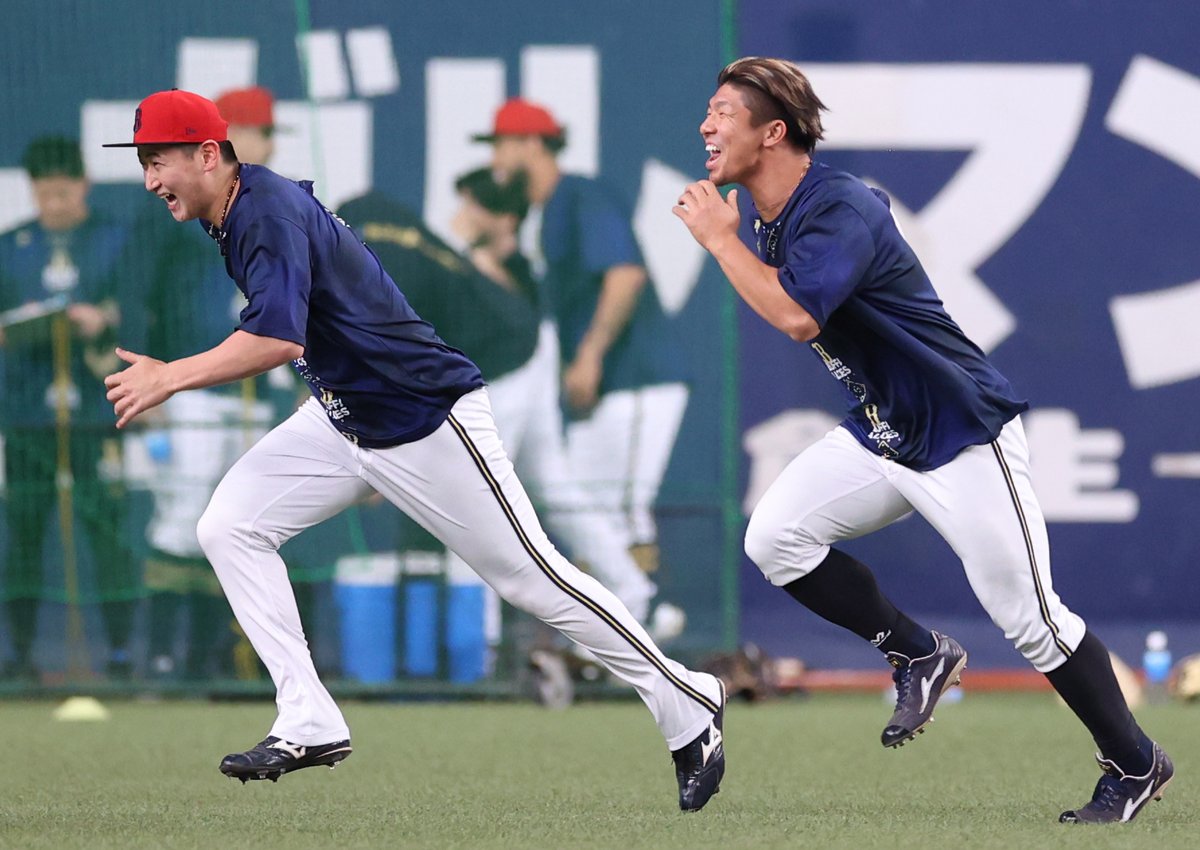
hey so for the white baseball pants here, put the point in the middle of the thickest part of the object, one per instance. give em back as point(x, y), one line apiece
point(621, 451)
point(207, 432)
point(525, 405)
point(982, 503)
point(457, 483)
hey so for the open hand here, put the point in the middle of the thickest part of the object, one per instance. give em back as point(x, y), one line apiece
point(88, 319)
point(137, 388)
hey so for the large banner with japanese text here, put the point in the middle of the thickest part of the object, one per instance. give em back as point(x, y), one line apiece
point(1042, 160)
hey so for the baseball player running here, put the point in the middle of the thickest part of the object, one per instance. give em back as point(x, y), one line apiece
point(933, 427)
point(394, 410)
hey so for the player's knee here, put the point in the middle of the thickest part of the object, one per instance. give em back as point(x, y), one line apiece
point(220, 529)
point(213, 530)
point(781, 550)
point(759, 543)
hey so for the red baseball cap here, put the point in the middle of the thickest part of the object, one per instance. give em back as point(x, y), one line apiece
point(520, 117)
point(175, 117)
point(250, 107)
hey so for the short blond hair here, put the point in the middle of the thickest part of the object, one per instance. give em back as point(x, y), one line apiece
point(777, 90)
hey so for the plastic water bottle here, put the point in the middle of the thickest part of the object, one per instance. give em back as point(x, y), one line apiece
point(1156, 663)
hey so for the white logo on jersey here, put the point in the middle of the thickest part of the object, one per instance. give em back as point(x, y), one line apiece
point(839, 370)
point(882, 434)
point(335, 216)
point(334, 406)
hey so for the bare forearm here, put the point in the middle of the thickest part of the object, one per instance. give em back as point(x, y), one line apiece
point(241, 355)
point(492, 267)
point(758, 285)
point(619, 296)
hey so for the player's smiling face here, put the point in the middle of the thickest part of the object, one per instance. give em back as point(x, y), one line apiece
point(176, 175)
point(731, 141)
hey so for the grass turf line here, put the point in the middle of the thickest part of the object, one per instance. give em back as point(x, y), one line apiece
point(993, 771)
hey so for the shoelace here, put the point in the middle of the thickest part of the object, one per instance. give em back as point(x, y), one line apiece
point(902, 676)
point(1109, 794)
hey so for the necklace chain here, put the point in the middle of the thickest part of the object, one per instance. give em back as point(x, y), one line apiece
point(237, 176)
point(803, 174)
point(216, 229)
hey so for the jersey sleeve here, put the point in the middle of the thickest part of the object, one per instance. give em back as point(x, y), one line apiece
point(277, 274)
point(827, 258)
point(605, 234)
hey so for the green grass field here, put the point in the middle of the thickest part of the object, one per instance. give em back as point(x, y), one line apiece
point(993, 771)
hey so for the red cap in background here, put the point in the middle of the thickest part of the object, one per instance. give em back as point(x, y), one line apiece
point(249, 107)
point(520, 117)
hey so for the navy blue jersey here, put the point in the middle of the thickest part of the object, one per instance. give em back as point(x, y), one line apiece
point(381, 372)
point(919, 390)
point(585, 232)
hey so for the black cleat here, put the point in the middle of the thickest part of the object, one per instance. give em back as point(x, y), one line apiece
point(700, 765)
point(1118, 797)
point(920, 683)
point(274, 757)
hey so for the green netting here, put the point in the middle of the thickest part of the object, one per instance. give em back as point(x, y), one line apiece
point(102, 574)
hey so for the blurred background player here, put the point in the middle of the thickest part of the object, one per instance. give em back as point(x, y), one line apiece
point(251, 116)
point(622, 375)
point(67, 251)
point(500, 331)
point(497, 325)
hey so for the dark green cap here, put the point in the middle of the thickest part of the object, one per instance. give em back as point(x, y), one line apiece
point(53, 156)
